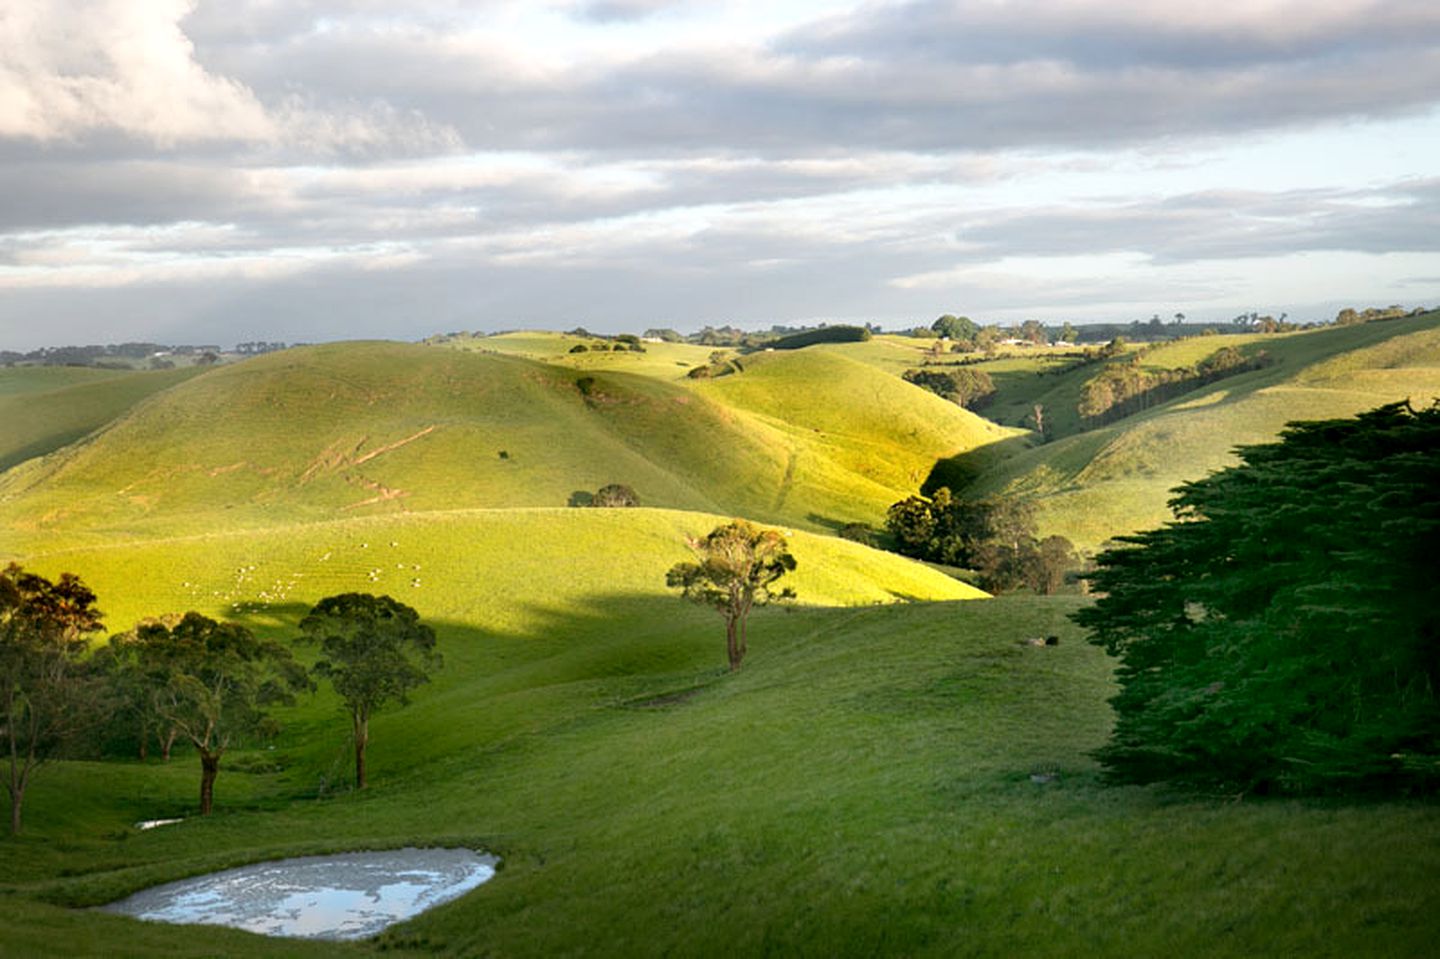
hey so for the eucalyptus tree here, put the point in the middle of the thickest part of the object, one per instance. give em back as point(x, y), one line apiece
point(44, 701)
point(736, 567)
point(373, 650)
point(219, 683)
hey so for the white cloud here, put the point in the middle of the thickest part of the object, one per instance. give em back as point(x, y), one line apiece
point(75, 68)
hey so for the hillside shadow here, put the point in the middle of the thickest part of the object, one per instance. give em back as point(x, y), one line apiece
point(960, 471)
point(604, 637)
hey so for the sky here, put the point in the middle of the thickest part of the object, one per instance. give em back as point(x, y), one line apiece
point(189, 171)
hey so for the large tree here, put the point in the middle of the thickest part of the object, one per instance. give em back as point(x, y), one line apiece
point(43, 690)
point(374, 650)
point(135, 666)
point(220, 681)
point(736, 567)
point(1284, 633)
point(955, 327)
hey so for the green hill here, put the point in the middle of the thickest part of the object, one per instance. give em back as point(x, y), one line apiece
point(1116, 479)
point(892, 773)
point(360, 429)
point(668, 361)
point(43, 408)
point(875, 781)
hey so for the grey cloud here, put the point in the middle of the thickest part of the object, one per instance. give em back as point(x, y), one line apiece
point(923, 76)
point(1222, 225)
point(1120, 35)
point(611, 11)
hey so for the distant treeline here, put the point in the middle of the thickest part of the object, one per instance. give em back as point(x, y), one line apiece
point(1124, 388)
point(824, 334)
point(96, 355)
point(119, 355)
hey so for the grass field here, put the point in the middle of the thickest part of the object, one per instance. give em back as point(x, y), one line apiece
point(863, 786)
point(43, 408)
point(362, 429)
point(896, 771)
point(1091, 486)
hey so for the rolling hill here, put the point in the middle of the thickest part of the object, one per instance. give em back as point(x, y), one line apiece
point(43, 408)
point(893, 772)
point(1116, 479)
point(358, 429)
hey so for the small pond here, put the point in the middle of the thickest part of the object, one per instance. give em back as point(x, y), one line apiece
point(346, 896)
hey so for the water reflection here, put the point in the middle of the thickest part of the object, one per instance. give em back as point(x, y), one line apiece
point(346, 896)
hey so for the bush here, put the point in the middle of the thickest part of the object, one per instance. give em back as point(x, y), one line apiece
point(615, 495)
point(579, 348)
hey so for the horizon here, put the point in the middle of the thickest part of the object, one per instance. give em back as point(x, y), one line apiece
point(195, 172)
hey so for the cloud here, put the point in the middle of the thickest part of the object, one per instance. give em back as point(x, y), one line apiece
point(624, 11)
point(458, 163)
point(76, 68)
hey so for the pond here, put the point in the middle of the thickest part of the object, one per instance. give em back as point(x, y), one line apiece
point(345, 896)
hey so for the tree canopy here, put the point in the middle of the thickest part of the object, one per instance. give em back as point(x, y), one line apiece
point(1283, 634)
point(737, 566)
point(955, 327)
point(996, 537)
point(219, 681)
point(374, 650)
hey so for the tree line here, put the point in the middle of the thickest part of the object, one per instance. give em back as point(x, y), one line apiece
point(1125, 388)
point(208, 683)
point(995, 537)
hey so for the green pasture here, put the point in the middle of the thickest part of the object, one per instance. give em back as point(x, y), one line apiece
point(899, 780)
point(666, 361)
point(357, 429)
point(1116, 479)
point(895, 771)
point(43, 408)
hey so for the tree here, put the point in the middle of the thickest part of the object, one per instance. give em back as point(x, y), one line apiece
point(219, 681)
point(967, 387)
point(43, 701)
point(955, 327)
point(615, 495)
point(136, 666)
point(737, 565)
point(1033, 331)
point(1068, 333)
point(1053, 557)
point(1281, 635)
point(374, 650)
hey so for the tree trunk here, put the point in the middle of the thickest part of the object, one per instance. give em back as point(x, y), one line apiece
point(209, 768)
point(732, 644)
point(166, 745)
point(17, 798)
point(362, 738)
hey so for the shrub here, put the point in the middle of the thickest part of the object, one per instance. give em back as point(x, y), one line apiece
point(615, 495)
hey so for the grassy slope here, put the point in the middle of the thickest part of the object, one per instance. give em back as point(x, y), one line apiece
point(1117, 479)
point(358, 429)
point(668, 361)
point(836, 411)
point(43, 408)
point(862, 787)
